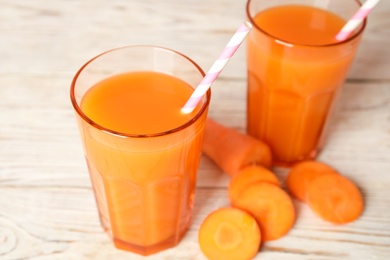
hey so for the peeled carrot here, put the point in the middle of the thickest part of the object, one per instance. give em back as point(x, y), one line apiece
point(229, 233)
point(335, 198)
point(232, 150)
point(270, 205)
point(248, 175)
point(302, 174)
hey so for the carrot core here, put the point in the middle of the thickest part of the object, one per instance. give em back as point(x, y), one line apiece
point(227, 236)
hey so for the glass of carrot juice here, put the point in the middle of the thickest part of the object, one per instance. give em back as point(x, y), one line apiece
point(142, 152)
point(296, 69)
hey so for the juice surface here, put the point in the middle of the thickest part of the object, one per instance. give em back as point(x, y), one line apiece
point(300, 24)
point(138, 103)
point(144, 186)
point(292, 85)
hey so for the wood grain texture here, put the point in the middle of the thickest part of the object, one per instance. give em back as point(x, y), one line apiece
point(47, 209)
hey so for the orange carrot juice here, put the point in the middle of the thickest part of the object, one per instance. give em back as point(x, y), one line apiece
point(144, 170)
point(138, 103)
point(295, 71)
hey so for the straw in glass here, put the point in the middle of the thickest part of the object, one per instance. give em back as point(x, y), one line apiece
point(217, 67)
point(356, 19)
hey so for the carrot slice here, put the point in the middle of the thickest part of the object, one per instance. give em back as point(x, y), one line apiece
point(335, 199)
point(248, 175)
point(302, 174)
point(229, 233)
point(232, 150)
point(270, 205)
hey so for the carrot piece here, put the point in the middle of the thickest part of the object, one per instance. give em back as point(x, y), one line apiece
point(232, 150)
point(229, 233)
point(302, 174)
point(335, 199)
point(271, 206)
point(248, 175)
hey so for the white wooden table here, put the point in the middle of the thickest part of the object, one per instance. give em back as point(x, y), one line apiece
point(47, 209)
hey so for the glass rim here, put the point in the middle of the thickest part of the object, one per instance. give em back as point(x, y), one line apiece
point(293, 44)
point(127, 135)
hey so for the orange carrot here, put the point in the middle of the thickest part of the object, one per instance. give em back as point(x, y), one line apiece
point(335, 198)
point(302, 174)
point(229, 233)
point(270, 205)
point(248, 175)
point(232, 150)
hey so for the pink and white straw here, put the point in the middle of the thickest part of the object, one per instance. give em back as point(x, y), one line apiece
point(217, 67)
point(356, 19)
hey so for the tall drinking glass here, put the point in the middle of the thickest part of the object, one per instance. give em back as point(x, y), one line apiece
point(143, 179)
point(296, 69)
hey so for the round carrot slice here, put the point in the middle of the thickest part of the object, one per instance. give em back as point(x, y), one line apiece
point(302, 174)
point(248, 175)
point(270, 205)
point(335, 199)
point(229, 233)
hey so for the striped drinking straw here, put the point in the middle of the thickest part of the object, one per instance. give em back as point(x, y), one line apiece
point(217, 67)
point(356, 19)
